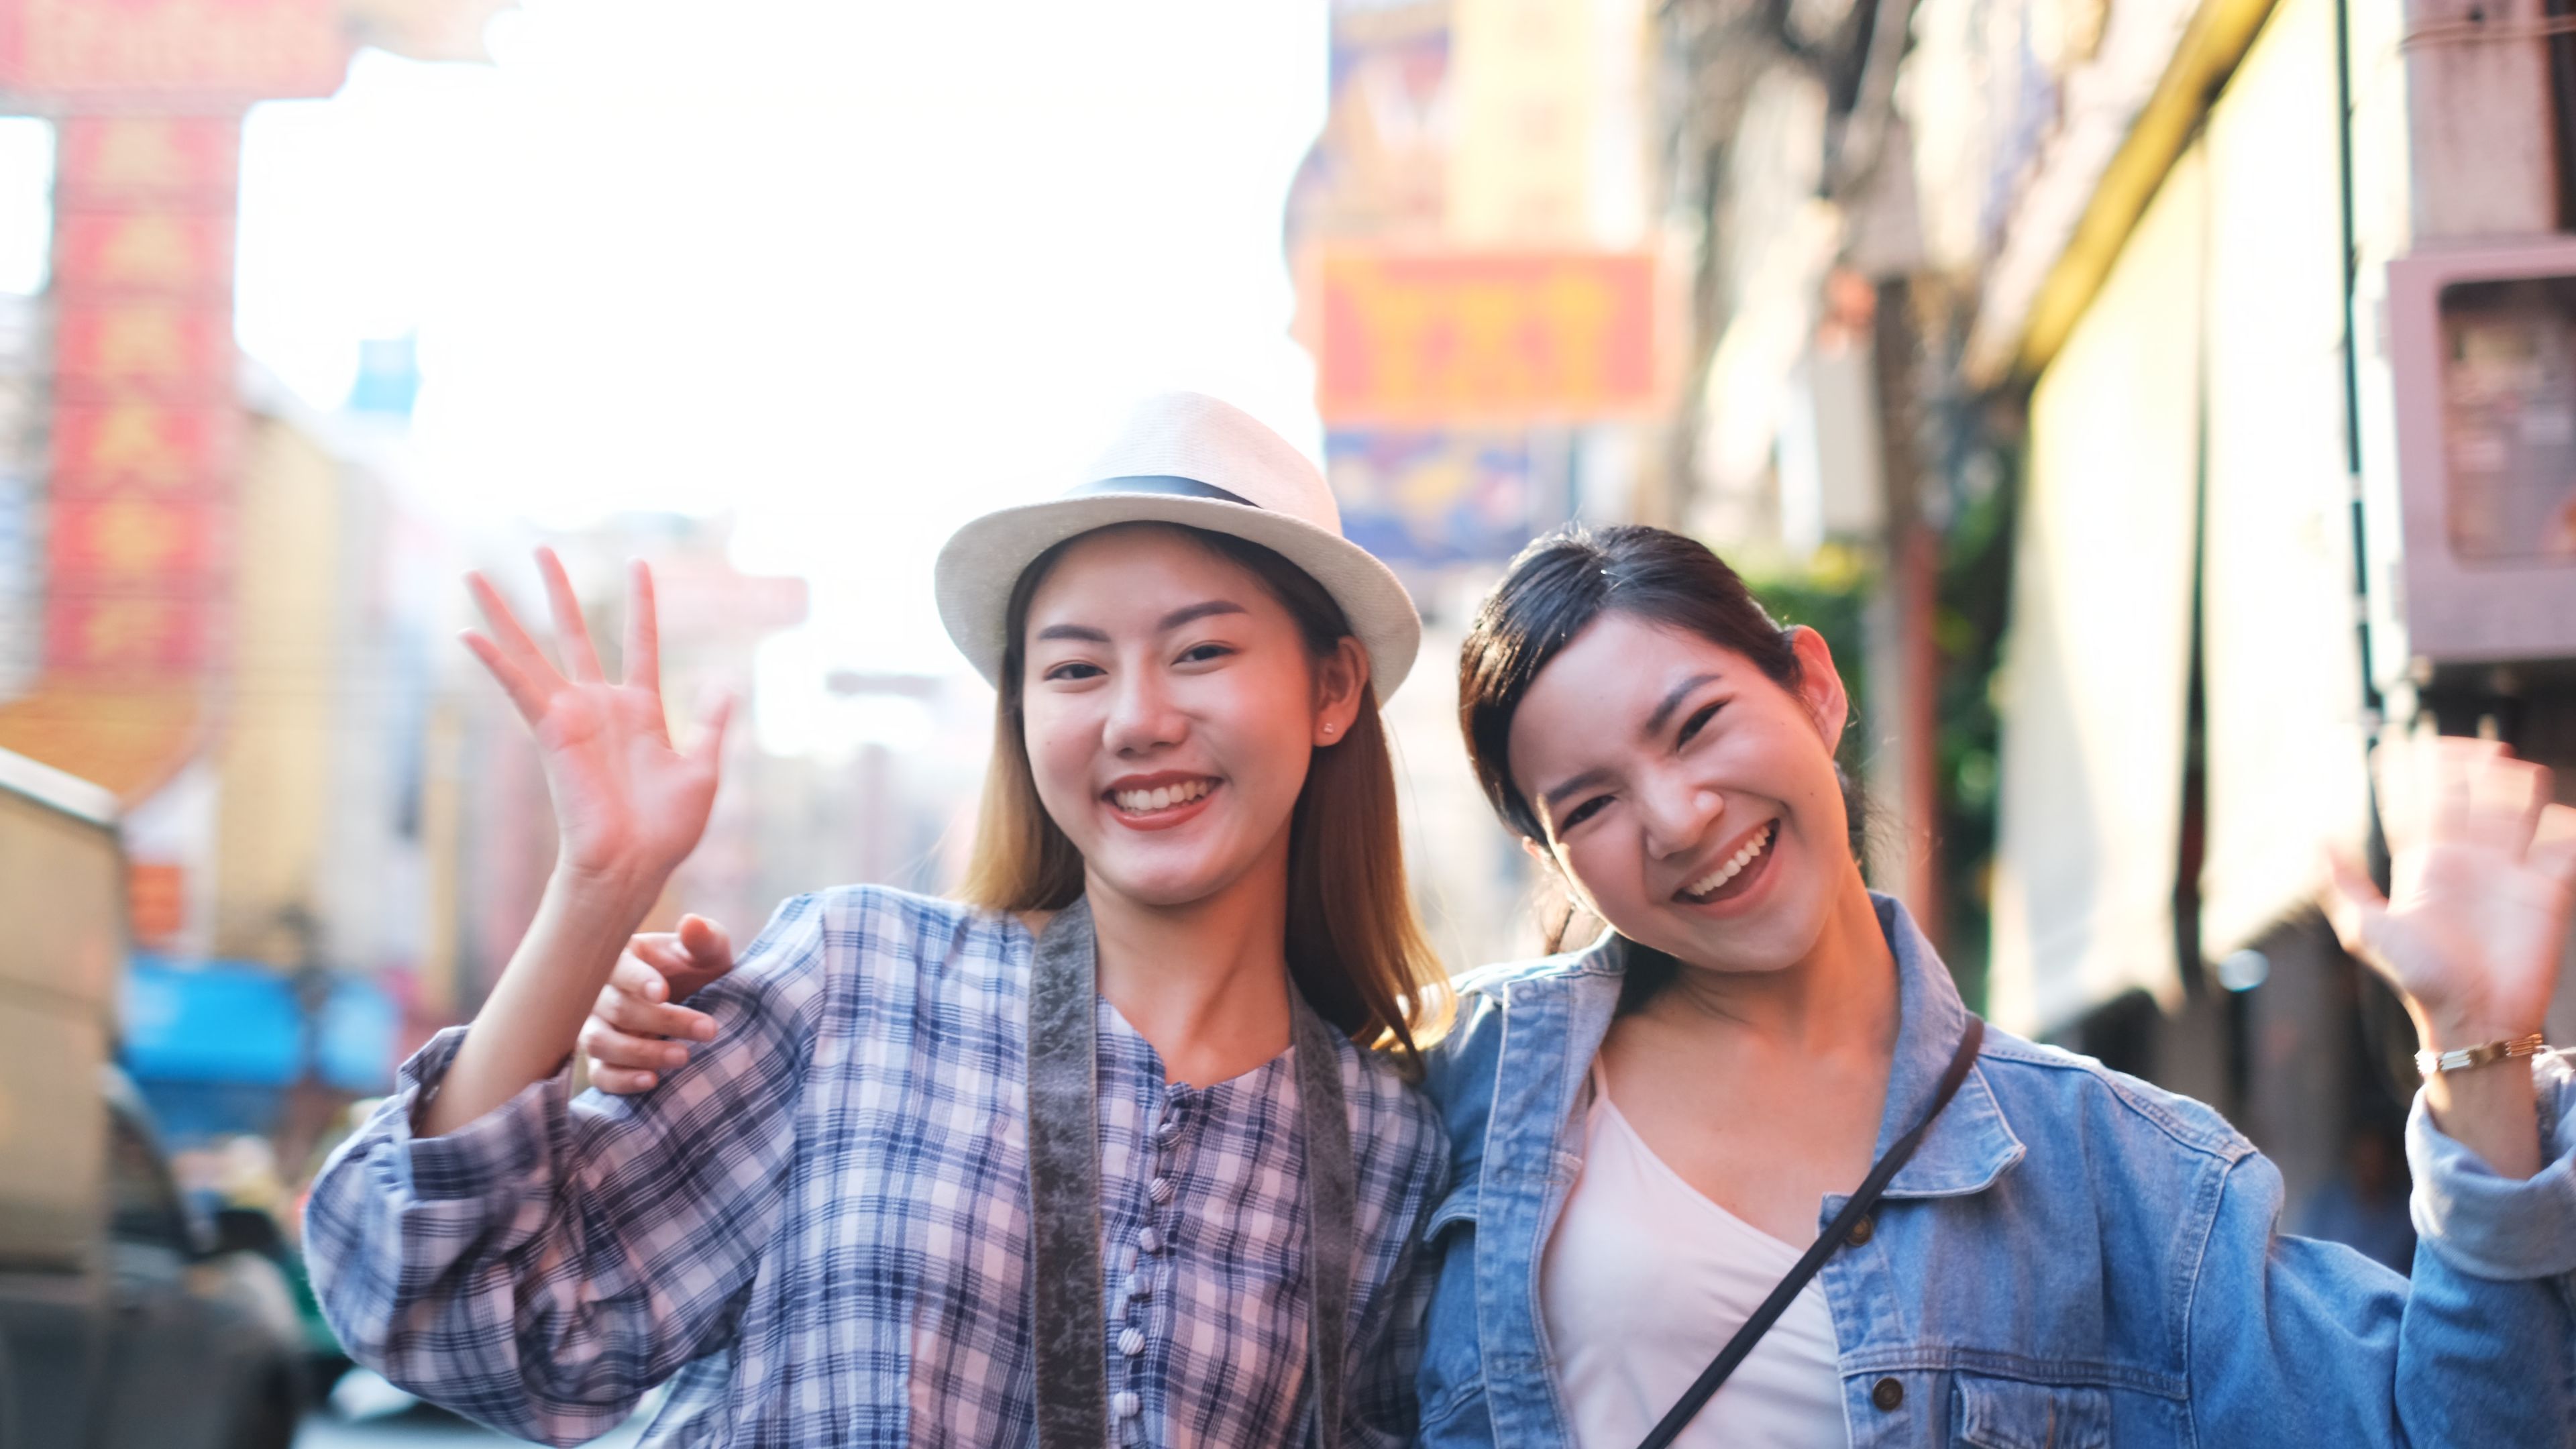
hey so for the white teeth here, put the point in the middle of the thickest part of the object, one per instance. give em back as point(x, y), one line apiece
point(1141, 801)
point(1727, 872)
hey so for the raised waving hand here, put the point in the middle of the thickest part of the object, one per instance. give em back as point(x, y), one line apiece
point(2482, 885)
point(629, 804)
point(2482, 878)
point(629, 807)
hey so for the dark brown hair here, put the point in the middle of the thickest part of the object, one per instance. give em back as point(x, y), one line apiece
point(1556, 588)
point(1354, 946)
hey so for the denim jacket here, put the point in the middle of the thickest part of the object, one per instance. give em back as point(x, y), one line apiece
point(2072, 1258)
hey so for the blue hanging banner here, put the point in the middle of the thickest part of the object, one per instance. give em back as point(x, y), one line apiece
point(223, 1021)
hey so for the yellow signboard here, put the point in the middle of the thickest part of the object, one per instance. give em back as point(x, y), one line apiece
point(1484, 338)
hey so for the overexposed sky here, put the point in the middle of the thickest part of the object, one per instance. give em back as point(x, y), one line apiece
point(852, 272)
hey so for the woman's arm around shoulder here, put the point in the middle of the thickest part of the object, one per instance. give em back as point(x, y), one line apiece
point(541, 1266)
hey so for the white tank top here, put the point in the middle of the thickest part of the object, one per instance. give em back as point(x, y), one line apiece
point(1644, 1281)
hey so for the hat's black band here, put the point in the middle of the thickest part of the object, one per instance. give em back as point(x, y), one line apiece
point(1161, 483)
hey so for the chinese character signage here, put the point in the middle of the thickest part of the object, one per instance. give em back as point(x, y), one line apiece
point(146, 436)
point(146, 430)
point(148, 251)
point(113, 161)
point(95, 54)
point(1429, 499)
point(1381, 168)
point(145, 421)
point(1472, 338)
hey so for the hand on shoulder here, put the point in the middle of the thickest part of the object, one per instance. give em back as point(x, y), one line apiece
point(637, 1030)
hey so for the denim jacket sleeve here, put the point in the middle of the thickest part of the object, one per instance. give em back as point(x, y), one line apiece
point(2318, 1342)
point(542, 1266)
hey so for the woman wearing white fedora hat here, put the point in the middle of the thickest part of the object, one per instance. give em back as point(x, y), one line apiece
point(1118, 1147)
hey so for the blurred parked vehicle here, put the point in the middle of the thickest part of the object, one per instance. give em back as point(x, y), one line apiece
point(127, 1321)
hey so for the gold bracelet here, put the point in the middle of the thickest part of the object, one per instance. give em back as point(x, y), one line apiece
point(2429, 1062)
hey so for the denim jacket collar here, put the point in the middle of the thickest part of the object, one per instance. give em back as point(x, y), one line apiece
point(1970, 1145)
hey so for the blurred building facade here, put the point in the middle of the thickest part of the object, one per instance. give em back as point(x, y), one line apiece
point(211, 603)
point(1484, 285)
point(2100, 332)
point(344, 860)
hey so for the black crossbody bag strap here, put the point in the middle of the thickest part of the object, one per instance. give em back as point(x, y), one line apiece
point(1814, 1259)
point(1067, 1323)
point(1065, 1317)
point(1332, 1209)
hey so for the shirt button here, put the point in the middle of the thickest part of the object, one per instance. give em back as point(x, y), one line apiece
point(1139, 1286)
point(1860, 1231)
point(1160, 1190)
point(1148, 1240)
point(1888, 1394)
point(1131, 1341)
point(1125, 1404)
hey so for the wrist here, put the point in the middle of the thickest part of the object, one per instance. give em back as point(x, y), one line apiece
point(616, 891)
point(2492, 1110)
point(2484, 1054)
point(2453, 1028)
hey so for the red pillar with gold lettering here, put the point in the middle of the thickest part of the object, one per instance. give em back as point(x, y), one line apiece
point(148, 97)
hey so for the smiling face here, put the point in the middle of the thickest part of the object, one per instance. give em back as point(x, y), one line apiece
point(1689, 798)
point(1171, 710)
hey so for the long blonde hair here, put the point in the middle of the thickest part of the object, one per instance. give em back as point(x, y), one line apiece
point(1354, 947)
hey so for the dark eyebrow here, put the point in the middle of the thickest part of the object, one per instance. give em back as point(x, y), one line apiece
point(1673, 701)
point(1584, 781)
point(1173, 620)
point(1195, 612)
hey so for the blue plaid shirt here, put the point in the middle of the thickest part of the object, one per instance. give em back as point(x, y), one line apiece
point(820, 1224)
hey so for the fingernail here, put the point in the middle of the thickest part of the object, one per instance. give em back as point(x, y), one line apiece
point(676, 1057)
point(703, 1030)
point(653, 990)
point(645, 1079)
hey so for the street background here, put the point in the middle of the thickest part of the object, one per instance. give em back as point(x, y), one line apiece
point(2152, 401)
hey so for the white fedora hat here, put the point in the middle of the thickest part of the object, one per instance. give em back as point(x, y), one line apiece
point(1188, 459)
